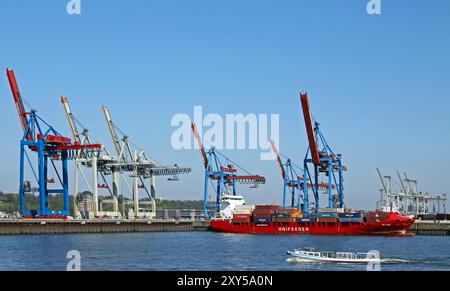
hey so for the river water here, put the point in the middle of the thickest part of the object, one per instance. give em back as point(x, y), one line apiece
point(214, 251)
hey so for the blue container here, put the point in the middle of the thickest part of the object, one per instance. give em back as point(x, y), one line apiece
point(351, 215)
point(351, 219)
point(326, 215)
point(262, 220)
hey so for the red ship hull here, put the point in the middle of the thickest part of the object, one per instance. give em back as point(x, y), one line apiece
point(394, 225)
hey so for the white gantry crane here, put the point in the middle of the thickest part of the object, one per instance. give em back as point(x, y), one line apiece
point(141, 166)
point(408, 200)
point(100, 166)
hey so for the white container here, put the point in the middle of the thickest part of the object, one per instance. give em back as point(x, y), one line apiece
point(245, 207)
point(243, 211)
point(331, 210)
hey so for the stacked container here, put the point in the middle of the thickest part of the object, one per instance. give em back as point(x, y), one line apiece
point(326, 215)
point(304, 220)
point(331, 210)
point(263, 213)
point(353, 217)
point(244, 209)
point(376, 216)
point(297, 214)
point(284, 215)
point(285, 218)
point(242, 218)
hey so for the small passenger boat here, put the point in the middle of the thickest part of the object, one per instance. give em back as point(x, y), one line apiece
point(311, 254)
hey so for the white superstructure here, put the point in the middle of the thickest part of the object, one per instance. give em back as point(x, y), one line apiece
point(229, 203)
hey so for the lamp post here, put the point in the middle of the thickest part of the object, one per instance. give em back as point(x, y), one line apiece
point(445, 199)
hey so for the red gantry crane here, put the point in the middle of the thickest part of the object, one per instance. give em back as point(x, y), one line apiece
point(324, 162)
point(50, 146)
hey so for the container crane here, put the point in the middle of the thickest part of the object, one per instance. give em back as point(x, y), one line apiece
point(140, 165)
point(292, 175)
point(99, 165)
point(292, 180)
point(324, 162)
point(223, 175)
point(125, 155)
point(50, 146)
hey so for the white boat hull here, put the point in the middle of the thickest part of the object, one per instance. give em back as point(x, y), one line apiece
point(317, 257)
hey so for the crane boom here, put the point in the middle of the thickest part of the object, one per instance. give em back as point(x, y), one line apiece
point(280, 163)
point(200, 144)
point(382, 182)
point(401, 182)
point(112, 130)
point(73, 126)
point(309, 128)
point(410, 188)
point(18, 100)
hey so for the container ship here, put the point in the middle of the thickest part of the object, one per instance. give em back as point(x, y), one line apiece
point(322, 173)
point(238, 217)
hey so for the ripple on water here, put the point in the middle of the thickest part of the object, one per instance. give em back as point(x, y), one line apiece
point(214, 251)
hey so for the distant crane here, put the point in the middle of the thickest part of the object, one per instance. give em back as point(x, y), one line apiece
point(292, 175)
point(140, 165)
point(222, 174)
point(50, 146)
point(324, 162)
point(409, 200)
point(292, 179)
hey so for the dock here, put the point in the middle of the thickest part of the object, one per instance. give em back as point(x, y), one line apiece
point(28, 227)
point(437, 228)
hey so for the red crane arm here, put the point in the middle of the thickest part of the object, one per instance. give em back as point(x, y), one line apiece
point(200, 144)
point(274, 148)
point(309, 128)
point(17, 99)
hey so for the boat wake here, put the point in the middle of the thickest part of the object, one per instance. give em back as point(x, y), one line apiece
point(435, 262)
point(390, 261)
point(300, 260)
point(396, 261)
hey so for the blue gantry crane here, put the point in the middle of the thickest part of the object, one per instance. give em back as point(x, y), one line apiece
point(292, 179)
point(293, 176)
point(324, 162)
point(222, 173)
point(50, 146)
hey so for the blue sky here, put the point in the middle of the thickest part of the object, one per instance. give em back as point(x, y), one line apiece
point(379, 85)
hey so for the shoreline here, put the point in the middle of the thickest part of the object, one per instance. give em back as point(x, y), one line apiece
point(32, 227)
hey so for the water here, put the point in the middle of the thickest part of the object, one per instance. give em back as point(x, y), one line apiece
point(214, 251)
